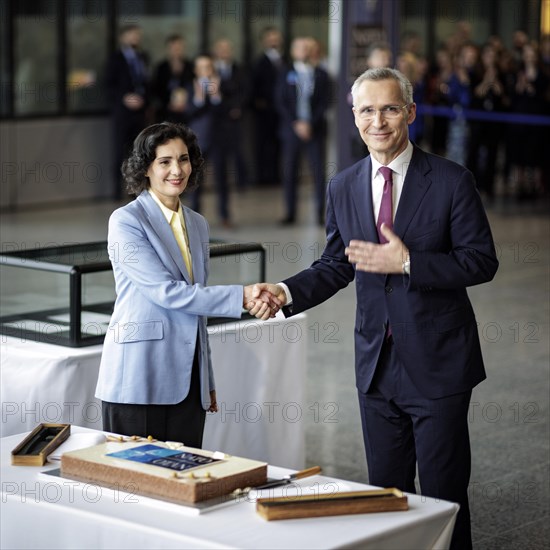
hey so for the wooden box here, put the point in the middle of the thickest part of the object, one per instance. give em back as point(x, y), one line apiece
point(35, 448)
point(353, 502)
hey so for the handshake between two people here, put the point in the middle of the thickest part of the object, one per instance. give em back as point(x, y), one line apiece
point(264, 300)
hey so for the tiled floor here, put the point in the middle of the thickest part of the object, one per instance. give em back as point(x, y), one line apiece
point(509, 413)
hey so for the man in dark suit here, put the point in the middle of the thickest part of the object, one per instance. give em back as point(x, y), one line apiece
point(171, 82)
point(417, 347)
point(265, 73)
point(229, 121)
point(302, 100)
point(127, 84)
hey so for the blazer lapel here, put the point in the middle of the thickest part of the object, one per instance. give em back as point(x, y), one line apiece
point(414, 188)
point(361, 192)
point(196, 246)
point(164, 231)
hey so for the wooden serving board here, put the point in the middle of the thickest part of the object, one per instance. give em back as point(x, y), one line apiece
point(353, 502)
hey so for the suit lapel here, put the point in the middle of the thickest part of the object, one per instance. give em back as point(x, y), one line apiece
point(164, 231)
point(361, 192)
point(196, 246)
point(414, 188)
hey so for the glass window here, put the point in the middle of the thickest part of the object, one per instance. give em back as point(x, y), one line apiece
point(36, 78)
point(87, 42)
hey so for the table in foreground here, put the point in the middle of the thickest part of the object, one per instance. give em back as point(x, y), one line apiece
point(259, 368)
point(42, 512)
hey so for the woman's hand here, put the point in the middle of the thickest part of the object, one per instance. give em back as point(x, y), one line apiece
point(213, 403)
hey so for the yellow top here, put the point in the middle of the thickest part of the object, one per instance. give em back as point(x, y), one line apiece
point(177, 224)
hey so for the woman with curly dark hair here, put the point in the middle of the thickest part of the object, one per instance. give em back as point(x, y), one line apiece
point(156, 374)
point(135, 167)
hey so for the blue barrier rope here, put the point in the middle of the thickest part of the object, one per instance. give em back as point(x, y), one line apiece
point(471, 114)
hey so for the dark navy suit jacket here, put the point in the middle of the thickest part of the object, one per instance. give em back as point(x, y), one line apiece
point(119, 80)
point(442, 221)
point(286, 99)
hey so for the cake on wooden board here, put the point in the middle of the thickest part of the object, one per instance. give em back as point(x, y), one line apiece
point(156, 469)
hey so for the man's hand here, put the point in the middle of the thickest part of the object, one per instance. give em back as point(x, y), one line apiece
point(379, 258)
point(263, 300)
point(302, 129)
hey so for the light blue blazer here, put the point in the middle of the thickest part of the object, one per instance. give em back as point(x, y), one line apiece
point(159, 316)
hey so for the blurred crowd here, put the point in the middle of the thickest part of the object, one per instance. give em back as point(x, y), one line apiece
point(279, 105)
point(285, 101)
point(475, 96)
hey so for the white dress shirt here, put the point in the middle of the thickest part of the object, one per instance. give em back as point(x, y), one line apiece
point(399, 166)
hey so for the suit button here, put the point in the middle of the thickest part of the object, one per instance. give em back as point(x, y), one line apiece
point(389, 289)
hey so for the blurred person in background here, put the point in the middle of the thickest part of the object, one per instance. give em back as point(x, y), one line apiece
point(317, 54)
point(128, 87)
point(487, 95)
point(229, 125)
point(464, 64)
point(203, 105)
point(379, 55)
point(545, 54)
point(508, 73)
point(437, 94)
point(461, 36)
point(531, 95)
point(415, 67)
point(415, 70)
point(545, 68)
point(519, 39)
point(302, 97)
point(265, 73)
point(171, 81)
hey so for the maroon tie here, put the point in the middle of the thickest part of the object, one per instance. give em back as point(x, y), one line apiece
point(385, 215)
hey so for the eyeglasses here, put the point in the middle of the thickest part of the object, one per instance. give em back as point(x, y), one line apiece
point(389, 111)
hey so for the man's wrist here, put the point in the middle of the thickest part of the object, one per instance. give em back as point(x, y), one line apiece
point(288, 295)
point(406, 266)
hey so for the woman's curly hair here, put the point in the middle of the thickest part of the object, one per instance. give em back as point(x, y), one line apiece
point(144, 151)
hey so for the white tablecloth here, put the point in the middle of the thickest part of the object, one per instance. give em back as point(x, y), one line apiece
point(260, 375)
point(43, 512)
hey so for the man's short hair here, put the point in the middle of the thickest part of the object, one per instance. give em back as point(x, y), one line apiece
point(173, 38)
point(385, 73)
point(128, 27)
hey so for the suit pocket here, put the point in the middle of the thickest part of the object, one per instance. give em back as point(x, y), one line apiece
point(133, 331)
point(454, 319)
point(422, 231)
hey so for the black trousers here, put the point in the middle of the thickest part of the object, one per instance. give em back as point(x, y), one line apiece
point(292, 150)
point(402, 428)
point(183, 422)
